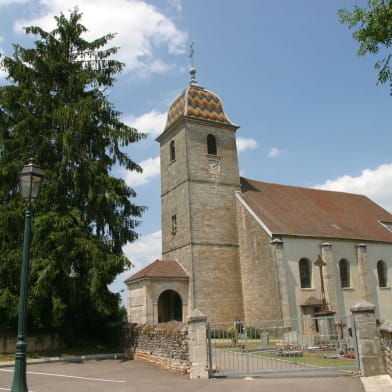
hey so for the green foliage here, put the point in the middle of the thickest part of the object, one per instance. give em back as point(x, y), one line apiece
point(56, 110)
point(374, 33)
point(253, 333)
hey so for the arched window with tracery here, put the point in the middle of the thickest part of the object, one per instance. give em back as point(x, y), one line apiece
point(172, 151)
point(382, 274)
point(305, 274)
point(211, 144)
point(344, 269)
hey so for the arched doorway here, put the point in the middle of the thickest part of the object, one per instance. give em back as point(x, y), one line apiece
point(169, 307)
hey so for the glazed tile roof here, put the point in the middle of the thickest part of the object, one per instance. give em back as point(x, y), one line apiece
point(293, 210)
point(198, 103)
point(160, 269)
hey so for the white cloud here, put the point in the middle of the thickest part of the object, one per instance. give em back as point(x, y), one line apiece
point(176, 4)
point(144, 251)
point(244, 144)
point(275, 152)
point(3, 74)
point(6, 2)
point(151, 168)
point(140, 28)
point(141, 253)
point(376, 184)
point(152, 123)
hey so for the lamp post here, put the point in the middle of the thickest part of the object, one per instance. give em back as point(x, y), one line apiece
point(29, 182)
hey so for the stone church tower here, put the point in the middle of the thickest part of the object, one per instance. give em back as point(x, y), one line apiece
point(199, 178)
point(241, 249)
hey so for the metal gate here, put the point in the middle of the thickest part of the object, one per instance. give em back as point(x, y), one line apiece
point(242, 348)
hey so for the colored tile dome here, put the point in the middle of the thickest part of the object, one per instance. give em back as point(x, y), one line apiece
point(198, 103)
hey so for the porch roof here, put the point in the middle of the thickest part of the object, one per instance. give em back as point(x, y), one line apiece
point(160, 269)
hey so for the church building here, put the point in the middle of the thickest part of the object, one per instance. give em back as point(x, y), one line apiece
point(242, 249)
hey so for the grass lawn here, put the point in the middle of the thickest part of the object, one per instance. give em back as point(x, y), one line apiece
point(314, 359)
point(309, 358)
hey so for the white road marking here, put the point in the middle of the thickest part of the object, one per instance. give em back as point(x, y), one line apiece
point(66, 376)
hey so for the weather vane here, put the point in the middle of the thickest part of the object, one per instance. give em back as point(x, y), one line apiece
point(192, 52)
point(193, 69)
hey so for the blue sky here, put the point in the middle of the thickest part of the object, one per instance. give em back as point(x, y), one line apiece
point(309, 110)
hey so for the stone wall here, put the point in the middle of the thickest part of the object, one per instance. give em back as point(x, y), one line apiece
point(386, 333)
point(35, 343)
point(164, 345)
point(258, 270)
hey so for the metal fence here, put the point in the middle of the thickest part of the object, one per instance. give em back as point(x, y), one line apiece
point(282, 346)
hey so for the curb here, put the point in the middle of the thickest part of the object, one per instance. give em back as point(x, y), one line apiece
point(73, 358)
point(381, 383)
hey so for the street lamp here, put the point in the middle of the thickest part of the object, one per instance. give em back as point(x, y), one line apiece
point(29, 182)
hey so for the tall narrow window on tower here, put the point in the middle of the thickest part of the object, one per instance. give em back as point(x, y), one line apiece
point(174, 224)
point(172, 151)
point(211, 144)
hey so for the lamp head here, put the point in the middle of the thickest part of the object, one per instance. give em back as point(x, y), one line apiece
point(29, 181)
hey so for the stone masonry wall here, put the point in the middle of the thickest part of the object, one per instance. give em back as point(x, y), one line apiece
point(386, 333)
point(258, 270)
point(164, 345)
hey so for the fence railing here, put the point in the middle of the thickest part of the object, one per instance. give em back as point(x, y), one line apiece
point(308, 344)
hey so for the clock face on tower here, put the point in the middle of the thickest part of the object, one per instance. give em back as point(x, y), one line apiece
point(214, 166)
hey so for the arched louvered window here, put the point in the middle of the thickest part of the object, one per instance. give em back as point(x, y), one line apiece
point(344, 269)
point(211, 144)
point(305, 274)
point(382, 274)
point(172, 151)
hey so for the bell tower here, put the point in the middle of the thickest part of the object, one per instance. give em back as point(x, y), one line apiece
point(199, 178)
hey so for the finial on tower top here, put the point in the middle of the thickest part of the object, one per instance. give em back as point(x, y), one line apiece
point(193, 69)
point(192, 52)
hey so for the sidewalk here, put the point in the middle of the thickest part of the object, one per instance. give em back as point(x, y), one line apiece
point(377, 383)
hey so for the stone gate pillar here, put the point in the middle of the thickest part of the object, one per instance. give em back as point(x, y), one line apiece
point(198, 358)
point(369, 348)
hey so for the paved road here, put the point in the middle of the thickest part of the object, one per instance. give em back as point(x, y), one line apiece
point(134, 376)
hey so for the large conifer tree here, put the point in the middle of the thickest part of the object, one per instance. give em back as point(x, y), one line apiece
point(56, 110)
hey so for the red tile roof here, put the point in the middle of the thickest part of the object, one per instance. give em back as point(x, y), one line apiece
point(293, 210)
point(160, 269)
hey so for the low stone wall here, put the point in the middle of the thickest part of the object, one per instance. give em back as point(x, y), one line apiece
point(164, 345)
point(386, 334)
point(35, 343)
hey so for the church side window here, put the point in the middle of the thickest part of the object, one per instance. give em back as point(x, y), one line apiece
point(211, 145)
point(172, 151)
point(344, 269)
point(382, 274)
point(305, 274)
point(174, 224)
